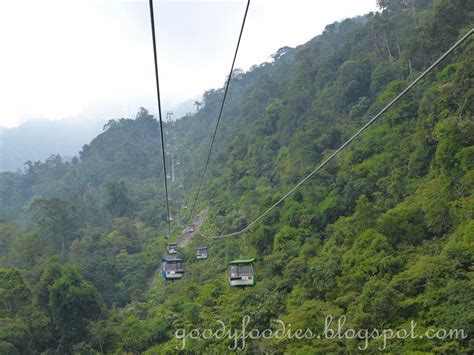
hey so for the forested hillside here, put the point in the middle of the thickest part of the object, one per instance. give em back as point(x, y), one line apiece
point(383, 235)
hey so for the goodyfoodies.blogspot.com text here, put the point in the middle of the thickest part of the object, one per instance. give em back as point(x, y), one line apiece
point(333, 329)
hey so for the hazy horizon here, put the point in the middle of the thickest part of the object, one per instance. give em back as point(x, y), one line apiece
point(107, 43)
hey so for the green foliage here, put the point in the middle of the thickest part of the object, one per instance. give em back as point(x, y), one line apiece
point(73, 302)
point(118, 203)
point(57, 219)
point(14, 294)
point(14, 337)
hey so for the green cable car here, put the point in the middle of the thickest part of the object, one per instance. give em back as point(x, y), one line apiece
point(242, 273)
point(202, 253)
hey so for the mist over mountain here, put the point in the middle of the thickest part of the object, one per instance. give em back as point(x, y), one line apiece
point(184, 108)
point(37, 140)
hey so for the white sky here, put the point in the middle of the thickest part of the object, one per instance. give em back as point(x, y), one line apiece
point(87, 59)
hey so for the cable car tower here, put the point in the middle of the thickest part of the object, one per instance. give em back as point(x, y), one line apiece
point(174, 161)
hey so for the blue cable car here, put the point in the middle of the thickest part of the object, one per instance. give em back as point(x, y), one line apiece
point(201, 253)
point(172, 269)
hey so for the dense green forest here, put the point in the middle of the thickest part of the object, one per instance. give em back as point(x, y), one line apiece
point(383, 235)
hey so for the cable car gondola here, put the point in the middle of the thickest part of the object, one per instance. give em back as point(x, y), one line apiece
point(201, 253)
point(172, 269)
point(242, 273)
point(172, 248)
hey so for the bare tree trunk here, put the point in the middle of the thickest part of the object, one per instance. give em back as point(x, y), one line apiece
point(398, 49)
point(390, 57)
point(461, 109)
point(399, 57)
point(101, 344)
point(376, 41)
point(413, 10)
point(140, 241)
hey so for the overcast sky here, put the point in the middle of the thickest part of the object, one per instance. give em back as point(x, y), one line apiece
point(88, 59)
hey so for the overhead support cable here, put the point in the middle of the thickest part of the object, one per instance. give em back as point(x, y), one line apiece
point(152, 20)
point(354, 136)
point(220, 112)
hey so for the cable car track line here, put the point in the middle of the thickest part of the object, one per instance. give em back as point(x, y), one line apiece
point(220, 111)
point(354, 136)
point(152, 20)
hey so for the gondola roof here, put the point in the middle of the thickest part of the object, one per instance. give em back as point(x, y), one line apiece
point(167, 260)
point(239, 262)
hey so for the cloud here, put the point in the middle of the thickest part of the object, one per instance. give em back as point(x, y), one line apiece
point(63, 59)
